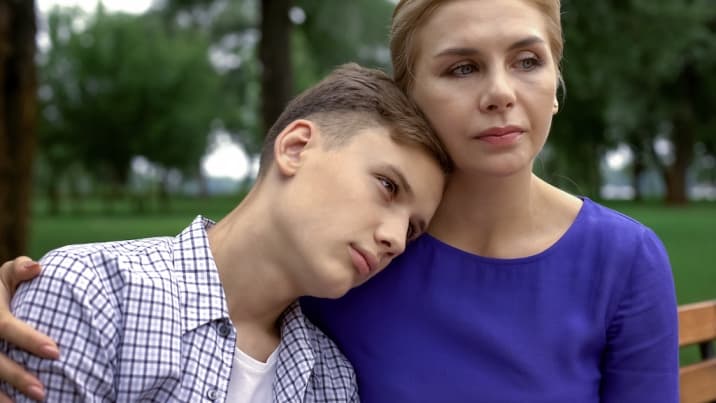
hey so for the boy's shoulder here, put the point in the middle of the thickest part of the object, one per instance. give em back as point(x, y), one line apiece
point(146, 257)
point(111, 249)
point(106, 259)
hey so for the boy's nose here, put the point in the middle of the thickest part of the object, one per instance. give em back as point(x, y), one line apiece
point(391, 236)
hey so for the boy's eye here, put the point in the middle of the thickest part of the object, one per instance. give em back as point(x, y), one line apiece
point(388, 184)
point(411, 232)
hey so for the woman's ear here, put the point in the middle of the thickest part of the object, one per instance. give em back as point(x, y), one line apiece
point(555, 107)
point(291, 143)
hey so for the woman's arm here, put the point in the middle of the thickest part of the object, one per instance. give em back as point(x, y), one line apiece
point(20, 334)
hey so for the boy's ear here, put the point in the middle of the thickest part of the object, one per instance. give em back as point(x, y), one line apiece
point(291, 143)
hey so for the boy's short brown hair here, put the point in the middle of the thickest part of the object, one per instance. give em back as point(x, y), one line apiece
point(353, 98)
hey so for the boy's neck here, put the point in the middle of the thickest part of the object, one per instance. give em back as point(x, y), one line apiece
point(256, 282)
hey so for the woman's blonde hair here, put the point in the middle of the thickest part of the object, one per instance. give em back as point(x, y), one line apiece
point(410, 15)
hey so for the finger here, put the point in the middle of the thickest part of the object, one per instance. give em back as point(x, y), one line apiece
point(5, 398)
point(14, 272)
point(24, 336)
point(11, 329)
point(20, 379)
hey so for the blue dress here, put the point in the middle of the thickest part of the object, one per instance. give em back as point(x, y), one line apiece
point(591, 319)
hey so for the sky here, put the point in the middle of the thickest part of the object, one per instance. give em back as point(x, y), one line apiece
point(226, 158)
point(130, 6)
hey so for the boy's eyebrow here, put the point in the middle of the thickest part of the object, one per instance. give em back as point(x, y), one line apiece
point(469, 51)
point(401, 179)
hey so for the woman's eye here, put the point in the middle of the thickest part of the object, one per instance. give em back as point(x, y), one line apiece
point(528, 63)
point(464, 70)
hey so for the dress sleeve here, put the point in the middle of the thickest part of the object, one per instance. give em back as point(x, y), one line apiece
point(68, 303)
point(641, 363)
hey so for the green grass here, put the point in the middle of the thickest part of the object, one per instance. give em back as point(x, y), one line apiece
point(93, 224)
point(689, 234)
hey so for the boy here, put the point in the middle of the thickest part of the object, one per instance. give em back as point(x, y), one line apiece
point(349, 173)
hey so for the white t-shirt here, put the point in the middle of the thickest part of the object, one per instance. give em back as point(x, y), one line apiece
point(251, 380)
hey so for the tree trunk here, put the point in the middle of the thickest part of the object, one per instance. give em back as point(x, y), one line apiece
point(275, 59)
point(683, 139)
point(18, 110)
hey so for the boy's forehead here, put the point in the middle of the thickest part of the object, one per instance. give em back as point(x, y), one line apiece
point(383, 145)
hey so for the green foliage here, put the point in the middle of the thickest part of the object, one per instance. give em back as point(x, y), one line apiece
point(115, 85)
point(232, 29)
point(339, 32)
point(633, 68)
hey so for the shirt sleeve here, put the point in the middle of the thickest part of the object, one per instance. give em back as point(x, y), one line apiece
point(641, 363)
point(69, 303)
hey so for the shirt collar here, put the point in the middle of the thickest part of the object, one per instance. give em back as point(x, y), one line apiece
point(201, 291)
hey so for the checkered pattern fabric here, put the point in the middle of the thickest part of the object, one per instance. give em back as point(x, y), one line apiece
point(146, 320)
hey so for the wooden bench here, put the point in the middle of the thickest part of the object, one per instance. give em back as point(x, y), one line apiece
point(697, 326)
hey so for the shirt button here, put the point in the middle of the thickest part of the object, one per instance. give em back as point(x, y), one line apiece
point(212, 394)
point(224, 329)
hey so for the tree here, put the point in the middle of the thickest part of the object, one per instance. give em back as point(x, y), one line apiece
point(665, 79)
point(17, 122)
point(122, 86)
point(335, 32)
point(233, 30)
point(641, 84)
point(275, 59)
point(290, 54)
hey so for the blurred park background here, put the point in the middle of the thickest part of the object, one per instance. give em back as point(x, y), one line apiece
point(125, 119)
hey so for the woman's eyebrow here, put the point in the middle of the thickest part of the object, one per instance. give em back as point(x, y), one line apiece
point(526, 42)
point(471, 51)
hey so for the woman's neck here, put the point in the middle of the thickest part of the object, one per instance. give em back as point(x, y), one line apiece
point(505, 217)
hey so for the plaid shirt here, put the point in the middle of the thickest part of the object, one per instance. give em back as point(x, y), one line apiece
point(146, 320)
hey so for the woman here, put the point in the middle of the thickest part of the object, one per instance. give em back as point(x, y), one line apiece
point(520, 292)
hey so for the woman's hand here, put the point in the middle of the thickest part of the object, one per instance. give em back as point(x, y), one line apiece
point(18, 333)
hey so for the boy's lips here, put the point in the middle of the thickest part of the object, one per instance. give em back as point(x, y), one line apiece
point(363, 261)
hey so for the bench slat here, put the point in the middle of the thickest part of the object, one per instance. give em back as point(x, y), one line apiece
point(697, 323)
point(698, 382)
